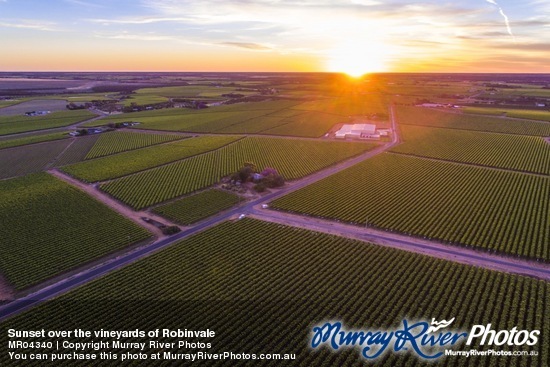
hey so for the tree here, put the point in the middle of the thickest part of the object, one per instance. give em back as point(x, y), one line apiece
point(247, 171)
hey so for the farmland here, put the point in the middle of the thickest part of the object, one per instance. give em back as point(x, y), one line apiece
point(450, 187)
point(18, 124)
point(15, 142)
point(515, 152)
point(287, 118)
point(77, 151)
point(291, 158)
point(510, 112)
point(34, 105)
point(503, 212)
point(122, 164)
point(23, 160)
point(116, 142)
point(263, 286)
point(49, 227)
point(193, 208)
point(430, 117)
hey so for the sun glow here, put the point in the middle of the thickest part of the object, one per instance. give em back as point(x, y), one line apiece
point(359, 58)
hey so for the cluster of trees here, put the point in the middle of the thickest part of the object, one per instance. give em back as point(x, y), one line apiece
point(268, 178)
point(73, 106)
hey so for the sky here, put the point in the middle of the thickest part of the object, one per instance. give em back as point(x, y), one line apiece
point(353, 36)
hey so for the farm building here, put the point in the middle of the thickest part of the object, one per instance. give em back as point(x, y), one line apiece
point(357, 131)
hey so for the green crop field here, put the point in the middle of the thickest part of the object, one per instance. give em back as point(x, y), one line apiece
point(431, 117)
point(291, 158)
point(122, 164)
point(49, 227)
point(120, 141)
point(191, 209)
point(32, 139)
point(262, 287)
point(22, 160)
point(77, 151)
point(501, 211)
point(144, 99)
point(515, 152)
point(309, 124)
point(351, 105)
point(510, 112)
point(18, 124)
point(236, 118)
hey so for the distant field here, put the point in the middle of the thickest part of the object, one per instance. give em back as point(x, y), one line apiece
point(351, 105)
point(145, 99)
point(309, 124)
point(138, 160)
point(22, 160)
point(18, 124)
point(120, 141)
point(527, 92)
point(505, 212)
point(37, 83)
point(274, 117)
point(193, 208)
point(6, 103)
point(9, 143)
point(515, 152)
point(35, 105)
point(263, 286)
point(49, 227)
point(292, 158)
point(430, 117)
point(510, 112)
point(189, 91)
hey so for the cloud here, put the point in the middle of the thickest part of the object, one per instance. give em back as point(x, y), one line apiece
point(140, 20)
point(247, 45)
point(83, 3)
point(29, 24)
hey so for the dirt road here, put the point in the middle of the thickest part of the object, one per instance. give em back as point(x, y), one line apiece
point(120, 208)
point(461, 255)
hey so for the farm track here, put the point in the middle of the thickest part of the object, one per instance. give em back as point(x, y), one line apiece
point(413, 244)
point(430, 248)
point(115, 205)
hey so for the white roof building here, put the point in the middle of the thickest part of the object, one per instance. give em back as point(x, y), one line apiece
point(356, 131)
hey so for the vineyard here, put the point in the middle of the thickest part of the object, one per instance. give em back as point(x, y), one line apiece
point(193, 208)
point(291, 158)
point(22, 160)
point(31, 140)
point(350, 105)
point(122, 164)
point(262, 286)
point(116, 142)
point(49, 227)
point(498, 211)
point(543, 115)
point(18, 124)
point(309, 124)
point(77, 151)
point(515, 152)
point(430, 117)
point(276, 117)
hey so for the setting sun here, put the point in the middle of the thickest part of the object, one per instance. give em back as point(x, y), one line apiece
point(356, 59)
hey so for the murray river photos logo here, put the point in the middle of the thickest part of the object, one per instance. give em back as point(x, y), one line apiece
point(426, 340)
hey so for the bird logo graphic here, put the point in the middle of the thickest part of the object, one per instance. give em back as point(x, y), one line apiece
point(436, 325)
